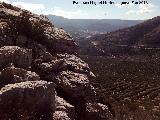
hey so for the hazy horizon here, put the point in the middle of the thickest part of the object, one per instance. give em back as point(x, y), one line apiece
point(96, 18)
point(67, 9)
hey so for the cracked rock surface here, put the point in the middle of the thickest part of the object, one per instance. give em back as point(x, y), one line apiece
point(41, 78)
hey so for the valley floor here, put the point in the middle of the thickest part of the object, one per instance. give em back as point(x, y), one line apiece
point(130, 85)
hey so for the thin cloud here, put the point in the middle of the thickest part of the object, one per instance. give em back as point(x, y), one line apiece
point(145, 8)
point(41, 9)
point(6, 1)
point(64, 13)
point(130, 12)
point(142, 9)
point(29, 6)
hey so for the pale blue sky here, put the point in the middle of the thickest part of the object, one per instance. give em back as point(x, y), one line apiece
point(66, 9)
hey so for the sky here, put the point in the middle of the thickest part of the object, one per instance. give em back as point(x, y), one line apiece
point(67, 9)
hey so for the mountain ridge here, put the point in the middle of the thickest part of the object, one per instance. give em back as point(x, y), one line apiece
point(142, 35)
point(86, 27)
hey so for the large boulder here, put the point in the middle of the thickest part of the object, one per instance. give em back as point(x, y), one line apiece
point(76, 86)
point(97, 111)
point(47, 64)
point(11, 75)
point(27, 100)
point(13, 54)
point(64, 111)
point(75, 64)
point(63, 62)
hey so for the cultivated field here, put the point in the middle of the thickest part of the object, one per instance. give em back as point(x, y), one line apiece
point(130, 85)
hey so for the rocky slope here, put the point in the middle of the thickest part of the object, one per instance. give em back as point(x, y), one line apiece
point(40, 76)
point(135, 39)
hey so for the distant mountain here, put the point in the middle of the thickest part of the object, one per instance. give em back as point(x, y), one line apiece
point(82, 28)
point(142, 37)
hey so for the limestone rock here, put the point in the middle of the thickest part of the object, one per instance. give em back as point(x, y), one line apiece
point(63, 62)
point(7, 35)
point(13, 54)
point(75, 64)
point(61, 115)
point(64, 111)
point(24, 24)
point(47, 67)
point(21, 40)
point(27, 100)
point(97, 111)
point(76, 85)
point(38, 51)
point(12, 75)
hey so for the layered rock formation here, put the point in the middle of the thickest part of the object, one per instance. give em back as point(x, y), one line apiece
point(40, 76)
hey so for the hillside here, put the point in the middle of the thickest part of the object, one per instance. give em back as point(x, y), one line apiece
point(82, 28)
point(141, 37)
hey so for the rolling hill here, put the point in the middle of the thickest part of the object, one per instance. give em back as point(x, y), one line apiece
point(135, 39)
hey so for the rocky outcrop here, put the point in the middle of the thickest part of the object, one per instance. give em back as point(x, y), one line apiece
point(34, 55)
point(62, 62)
point(97, 111)
point(27, 100)
point(33, 27)
point(77, 86)
point(64, 111)
point(75, 64)
point(13, 54)
point(15, 75)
